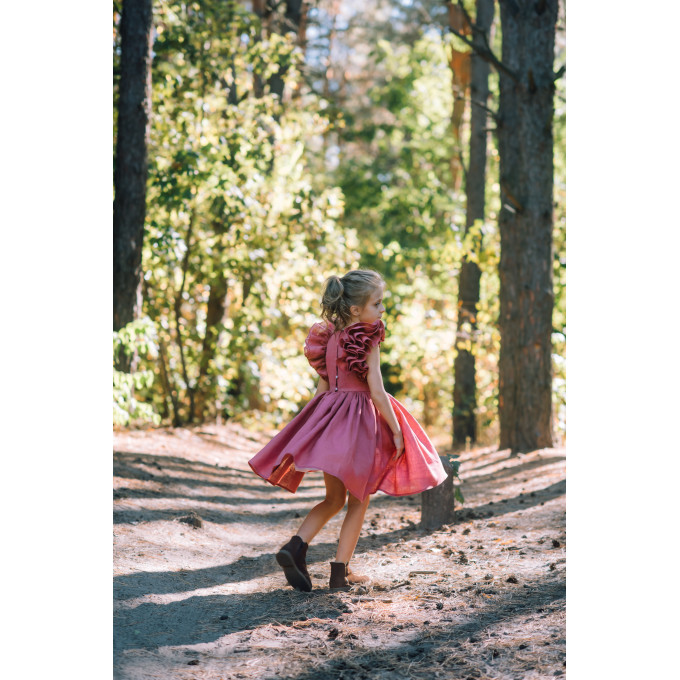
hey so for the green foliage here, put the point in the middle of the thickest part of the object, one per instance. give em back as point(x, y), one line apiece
point(253, 200)
point(395, 171)
point(235, 222)
point(135, 339)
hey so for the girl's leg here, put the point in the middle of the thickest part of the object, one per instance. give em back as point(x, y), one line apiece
point(321, 513)
point(351, 528)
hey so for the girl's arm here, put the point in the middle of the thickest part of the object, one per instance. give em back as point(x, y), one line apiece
point(379, 397)
point(322, 386)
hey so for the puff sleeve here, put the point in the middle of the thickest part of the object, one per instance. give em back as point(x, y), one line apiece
point(357, 342)
point(315, 347)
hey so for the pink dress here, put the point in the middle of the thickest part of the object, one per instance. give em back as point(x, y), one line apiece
point(341, 432)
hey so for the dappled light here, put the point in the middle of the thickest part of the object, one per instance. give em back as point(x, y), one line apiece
point(339, 245)
point(487, 589)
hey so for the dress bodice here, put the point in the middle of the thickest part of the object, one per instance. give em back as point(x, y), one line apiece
point(339, 377)
point(341, 357)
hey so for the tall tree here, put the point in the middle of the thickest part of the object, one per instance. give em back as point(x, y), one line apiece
point(525, 144)
point(464, 392)
point(129, 204)
point(459, 61)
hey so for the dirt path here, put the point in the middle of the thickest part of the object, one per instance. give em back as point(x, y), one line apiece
point(198, 594)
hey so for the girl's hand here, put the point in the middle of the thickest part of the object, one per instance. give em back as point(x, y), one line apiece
point(399, 444)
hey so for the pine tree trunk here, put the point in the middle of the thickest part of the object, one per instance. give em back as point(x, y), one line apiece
point(129, 205)
point(217, 305)
point(526, 221)
point(464, 392)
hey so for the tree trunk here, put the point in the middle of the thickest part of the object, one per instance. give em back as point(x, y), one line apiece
point(464, 392)
point(217, 304)
point(459, 62)
point(437, 506)
point(129, 205)
point(525, 145)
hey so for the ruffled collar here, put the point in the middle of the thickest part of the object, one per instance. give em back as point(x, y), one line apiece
point(370, 324)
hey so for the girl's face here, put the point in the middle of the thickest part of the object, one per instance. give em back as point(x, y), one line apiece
point(373, 309)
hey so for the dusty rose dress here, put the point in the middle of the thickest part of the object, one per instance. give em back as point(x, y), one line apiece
point(342, 432)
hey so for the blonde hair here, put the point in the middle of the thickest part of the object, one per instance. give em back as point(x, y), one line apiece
point(340, 293)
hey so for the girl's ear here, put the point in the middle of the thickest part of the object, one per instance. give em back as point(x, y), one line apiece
point(354, 310)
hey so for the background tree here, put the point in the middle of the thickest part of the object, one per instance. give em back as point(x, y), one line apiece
point(465, 381)
point(525, 139)
point(130, 173)
point(253, 199)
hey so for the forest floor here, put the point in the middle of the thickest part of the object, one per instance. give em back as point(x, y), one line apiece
point(198, 593)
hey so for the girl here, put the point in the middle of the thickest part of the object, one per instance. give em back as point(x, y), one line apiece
point(362, 438)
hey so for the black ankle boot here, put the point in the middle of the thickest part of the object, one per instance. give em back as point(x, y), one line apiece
point(338, 576)
point(291, 558)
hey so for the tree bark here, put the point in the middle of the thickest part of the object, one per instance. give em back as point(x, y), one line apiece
point(178, 314)
point(217, 305)
point(438, 504)
point(130, 174)
point(525, 146)
point(465, 392)
point(459, 62)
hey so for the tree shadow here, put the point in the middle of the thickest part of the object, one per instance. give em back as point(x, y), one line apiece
point(205, 619)
point(425, 652)
point(255, 516)
point(522, 501)
point(510, 471)
point(216, 480)
point(200, 619)
point(124, 492)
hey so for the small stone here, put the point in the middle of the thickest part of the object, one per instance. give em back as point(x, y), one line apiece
point(512, 579)
point(523, 646)
point(553, 566)
point(466, 531)
point(193, 520)
point(224, 618)
point(440, 605)
point(556, 543)
point(333, 633)
point(193, 662)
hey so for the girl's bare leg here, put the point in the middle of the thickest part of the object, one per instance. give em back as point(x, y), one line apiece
point(322, 512)
point(351, 528)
